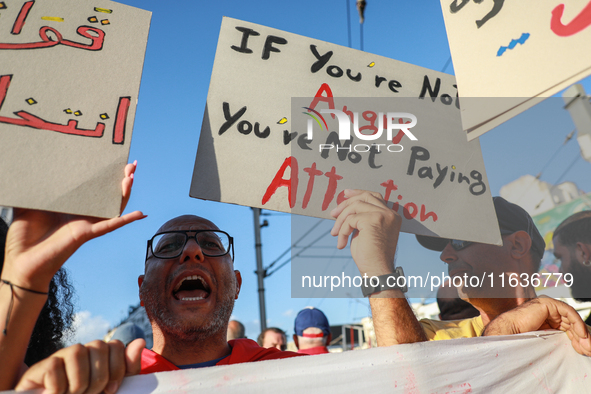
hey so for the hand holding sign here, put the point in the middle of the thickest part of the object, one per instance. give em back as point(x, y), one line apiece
point(39, 242)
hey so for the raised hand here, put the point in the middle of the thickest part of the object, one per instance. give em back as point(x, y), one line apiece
point(39, 242)
point(375, 229)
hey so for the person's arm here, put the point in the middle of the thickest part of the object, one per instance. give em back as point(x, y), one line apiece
point(540, 314)
point(38, 243)
point(373, 247)
point(93, 368)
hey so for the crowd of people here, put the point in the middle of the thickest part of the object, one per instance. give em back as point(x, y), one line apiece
point(189, 287)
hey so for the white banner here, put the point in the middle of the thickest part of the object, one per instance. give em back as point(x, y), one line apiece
point(542, 362)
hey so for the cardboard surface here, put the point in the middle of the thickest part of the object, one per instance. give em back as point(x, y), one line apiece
point(69, 83)
point(518, 50)
point(253, 148)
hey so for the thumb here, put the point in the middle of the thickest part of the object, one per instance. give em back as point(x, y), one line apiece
point(133, 357)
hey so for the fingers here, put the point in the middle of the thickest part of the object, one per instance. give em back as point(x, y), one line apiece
point(99, 360)
point(353, 195)
point(117, 366)
point(106, 226)
point(67, 370)
point(133, 357)
point(94, 368)
point(355, 216)
point(358, 201)
point(77, 368)
point(127, 183)
point(565, 317)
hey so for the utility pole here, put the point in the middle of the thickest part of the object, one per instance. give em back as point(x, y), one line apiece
point(361, 4)
point(261, 272)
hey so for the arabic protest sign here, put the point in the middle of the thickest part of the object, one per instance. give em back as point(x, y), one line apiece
point(261, 148)
point(69, 83)
point(521, 51)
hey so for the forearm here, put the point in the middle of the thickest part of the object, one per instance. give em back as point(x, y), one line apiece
point(500, 326)
point(15, 340)
point(394, 321)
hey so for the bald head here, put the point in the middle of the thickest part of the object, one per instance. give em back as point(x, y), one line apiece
point(187, 222)
point(235, 330)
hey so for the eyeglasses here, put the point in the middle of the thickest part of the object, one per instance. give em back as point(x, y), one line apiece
point(459, 245)
point(170, 244)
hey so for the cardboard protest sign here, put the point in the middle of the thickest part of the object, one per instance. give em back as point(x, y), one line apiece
point(520, 51)
point(267, 142)
point(69, 83)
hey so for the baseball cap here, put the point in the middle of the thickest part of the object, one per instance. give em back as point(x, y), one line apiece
point(511, 217)
point(311, 317)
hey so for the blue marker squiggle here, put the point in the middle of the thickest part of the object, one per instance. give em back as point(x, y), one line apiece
point(521, 40)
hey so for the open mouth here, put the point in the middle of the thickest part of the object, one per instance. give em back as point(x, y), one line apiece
point(192, 288)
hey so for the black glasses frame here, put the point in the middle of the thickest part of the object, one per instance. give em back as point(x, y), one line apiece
point(187, 237)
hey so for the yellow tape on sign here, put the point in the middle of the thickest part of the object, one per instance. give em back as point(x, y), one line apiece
point(52, 18)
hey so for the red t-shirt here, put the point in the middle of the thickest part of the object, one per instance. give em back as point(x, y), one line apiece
point(243, 351)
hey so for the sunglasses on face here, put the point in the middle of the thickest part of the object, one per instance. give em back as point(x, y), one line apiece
point(459, 245)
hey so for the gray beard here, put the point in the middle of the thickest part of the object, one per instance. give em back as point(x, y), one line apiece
point(581, 288)
point(188, 331)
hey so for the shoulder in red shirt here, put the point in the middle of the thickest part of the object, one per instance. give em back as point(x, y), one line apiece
point(243, 351)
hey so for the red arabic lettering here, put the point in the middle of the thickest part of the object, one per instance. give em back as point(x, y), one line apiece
point(84, 31)
point(579, 23)
point(36, 122)
point(4, 84)
point(29, 120)
point(121, 120)
point(20, 19)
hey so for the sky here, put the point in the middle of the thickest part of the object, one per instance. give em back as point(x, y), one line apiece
point(175, 81)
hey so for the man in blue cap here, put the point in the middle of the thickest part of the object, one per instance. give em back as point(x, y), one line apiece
point(312, 331)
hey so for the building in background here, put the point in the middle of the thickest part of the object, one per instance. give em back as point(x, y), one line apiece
point(137, 315)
